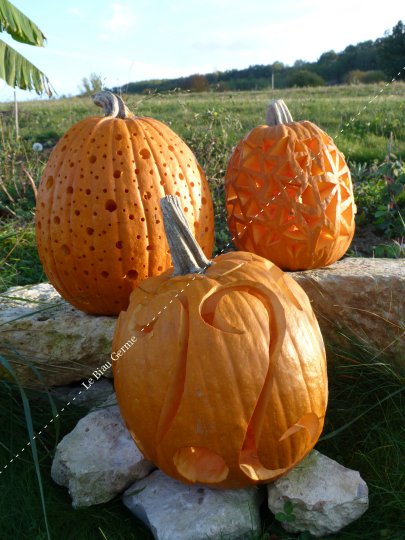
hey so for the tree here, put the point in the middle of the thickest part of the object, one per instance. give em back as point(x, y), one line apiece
point(92, 85)
point(16, 70)
point(391, 52)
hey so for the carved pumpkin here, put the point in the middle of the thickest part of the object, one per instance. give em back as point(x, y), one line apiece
point(220, 375)
point(289, 195)
point(98, 221)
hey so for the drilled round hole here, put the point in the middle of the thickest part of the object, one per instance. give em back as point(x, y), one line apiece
point(144, 153)
point(104, 274)
point(56, 219)
point(69, 190)
point(77, 212)
point(117, 174)
point(111, 205)
point(65, 249)
point(89, 231)
point(132, 275)
point(147, 195)
point(88, 191)
point(49, 182)
point(93, 159)
point(204, 200)
point(119, 244)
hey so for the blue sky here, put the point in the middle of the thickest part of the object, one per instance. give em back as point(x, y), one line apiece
point(134, 40)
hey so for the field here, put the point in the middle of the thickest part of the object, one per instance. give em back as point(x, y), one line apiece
point(365, 422)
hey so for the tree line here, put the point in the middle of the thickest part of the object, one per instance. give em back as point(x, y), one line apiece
point(367, 62)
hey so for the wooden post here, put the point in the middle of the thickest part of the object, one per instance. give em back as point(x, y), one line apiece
point(17, 127)
point(272, 80)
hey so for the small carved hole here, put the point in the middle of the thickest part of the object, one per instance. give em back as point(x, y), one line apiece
point(132, 275)
point(144, 153)
point(111, 205)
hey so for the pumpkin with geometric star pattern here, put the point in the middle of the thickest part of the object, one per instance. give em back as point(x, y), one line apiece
point(289, 195)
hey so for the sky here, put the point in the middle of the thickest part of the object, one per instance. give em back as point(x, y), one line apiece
point(125, 41)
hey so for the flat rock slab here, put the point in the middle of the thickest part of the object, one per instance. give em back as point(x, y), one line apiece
point(353, 299)
point(173, 510)
point(324, 496)
point(363, 300)
point(38, 327)
point(98, 459)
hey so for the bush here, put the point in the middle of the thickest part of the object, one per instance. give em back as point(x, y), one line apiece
point(304, 77)
point(357, 76)
point(380, 196)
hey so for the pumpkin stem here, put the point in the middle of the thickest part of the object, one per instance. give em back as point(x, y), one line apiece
point(112, 104)
point(187, 256)
point(278, 113)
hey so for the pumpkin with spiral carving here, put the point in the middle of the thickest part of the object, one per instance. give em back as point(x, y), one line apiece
point(238, 397)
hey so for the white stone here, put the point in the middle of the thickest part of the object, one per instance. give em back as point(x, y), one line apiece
point(325, 495)
point(176, 511)
point(63, 343)
point(98, 459)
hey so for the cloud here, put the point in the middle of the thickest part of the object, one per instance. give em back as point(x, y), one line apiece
point(119, 20)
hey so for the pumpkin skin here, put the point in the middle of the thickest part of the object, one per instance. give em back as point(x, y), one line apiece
point(289, 196)
point(98, 222)
point(221, 378)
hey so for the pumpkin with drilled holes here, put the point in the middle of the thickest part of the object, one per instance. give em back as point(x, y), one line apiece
point(220, 369)
point(289, 195)
point(98, 221)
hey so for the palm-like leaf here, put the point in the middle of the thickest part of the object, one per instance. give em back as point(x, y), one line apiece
point(18, 72)
point(19, 26)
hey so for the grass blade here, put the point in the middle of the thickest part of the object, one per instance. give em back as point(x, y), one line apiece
point(30, 429)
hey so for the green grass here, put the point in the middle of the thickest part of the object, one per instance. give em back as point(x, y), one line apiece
point(331, 108)
point(19, 260)
point(363, 392)
point(211, 124)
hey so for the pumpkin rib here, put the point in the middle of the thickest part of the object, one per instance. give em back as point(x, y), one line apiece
point(180, 161)
point(136, 123)
point(190, 188)
point(69, 287)
point(46, 234)
point(156, 159)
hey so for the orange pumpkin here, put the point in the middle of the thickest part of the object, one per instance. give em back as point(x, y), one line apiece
point(98, 221)
point(289, 195)
point(220, 375)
